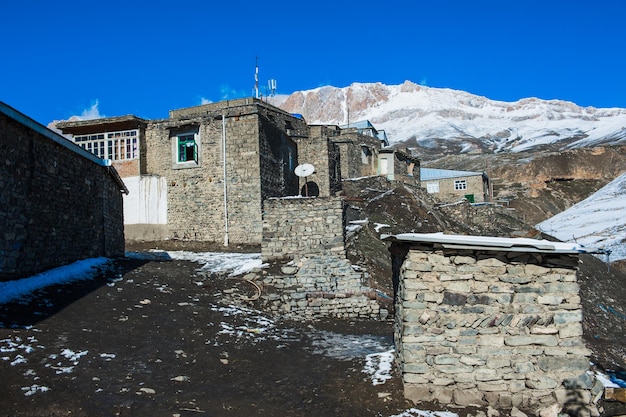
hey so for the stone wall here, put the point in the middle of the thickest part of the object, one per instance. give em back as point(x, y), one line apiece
point(294, 227)
point(359, 154)
point(319, 151)
point(497, 328)
point(310, 276)
point(58, 204)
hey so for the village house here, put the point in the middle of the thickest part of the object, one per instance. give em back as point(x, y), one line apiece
point(204, 172)
point(59, 203)
point(398, 164)
point(359, 147)
point(449, 186)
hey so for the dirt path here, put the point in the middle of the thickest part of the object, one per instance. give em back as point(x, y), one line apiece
point(159, 339)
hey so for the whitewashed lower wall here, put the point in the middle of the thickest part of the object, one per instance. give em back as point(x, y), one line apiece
point(146, 202)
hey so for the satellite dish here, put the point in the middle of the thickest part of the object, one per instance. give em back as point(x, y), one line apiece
point(304, 170)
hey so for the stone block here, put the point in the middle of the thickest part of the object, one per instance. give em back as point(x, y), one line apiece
point(567, 317)
point(454, 299)
point(552, 300)
point(468, 398)
point(443, 395)
point(446, 360)
point(454, 369)
point(490, 262)
point(516, 279)
point(536, 270)
point(490, 340)
point(455, 277)
point(541, 382)
point(483, 375)
point(523, 367)
point(498, 362)
point(491, 386)
point(417, 392)
point(460, 260)
point(543, 340)
point(434, 258)
point(472, 361)
point(563, 363)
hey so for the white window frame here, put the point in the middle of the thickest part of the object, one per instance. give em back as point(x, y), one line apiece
point(118, 146)
point(460, 185)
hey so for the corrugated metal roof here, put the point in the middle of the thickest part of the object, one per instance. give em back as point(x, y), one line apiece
point(492, 243)
point(427, 174)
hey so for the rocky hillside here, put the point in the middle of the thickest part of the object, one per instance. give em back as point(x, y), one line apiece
point(539, 185)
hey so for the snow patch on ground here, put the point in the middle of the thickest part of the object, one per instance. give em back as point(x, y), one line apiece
point(77, 271)
point(212, 262)
point(379, 366)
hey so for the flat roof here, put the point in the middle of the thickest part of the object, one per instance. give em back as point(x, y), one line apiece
point(427, 174)
point(513, 244)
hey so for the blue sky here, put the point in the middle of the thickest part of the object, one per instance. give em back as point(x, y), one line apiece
point(62, 58)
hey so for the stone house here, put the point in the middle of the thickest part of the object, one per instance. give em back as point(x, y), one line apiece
point(398, 164)
point(359, 147)
point(203, 172)
point(491, 321)
point(450, 186)
point(59, 203)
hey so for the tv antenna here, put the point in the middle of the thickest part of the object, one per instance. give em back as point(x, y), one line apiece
point(303, 171)
point(256, 78)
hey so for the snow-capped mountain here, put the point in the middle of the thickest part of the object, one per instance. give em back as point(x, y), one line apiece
point(597, 221)
point(435, 116)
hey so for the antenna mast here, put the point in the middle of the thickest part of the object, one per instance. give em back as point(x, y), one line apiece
point(256, 78)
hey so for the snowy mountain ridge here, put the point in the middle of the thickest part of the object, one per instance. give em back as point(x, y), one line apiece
point(432, 116)
point(597, 221)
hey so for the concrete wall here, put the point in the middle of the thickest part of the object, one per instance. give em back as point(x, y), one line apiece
point(496, 328)
point(304, 239)
point(57, 205)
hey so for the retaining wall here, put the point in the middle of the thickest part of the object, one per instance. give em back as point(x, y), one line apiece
point(311, 277)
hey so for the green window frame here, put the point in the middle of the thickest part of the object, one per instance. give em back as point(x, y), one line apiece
point(187, 148)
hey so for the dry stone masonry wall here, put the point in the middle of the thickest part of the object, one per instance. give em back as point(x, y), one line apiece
point(57, 206)
point(496, 328)
point(310, 276)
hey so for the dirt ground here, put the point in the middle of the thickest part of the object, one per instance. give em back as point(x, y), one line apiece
point(150, 339)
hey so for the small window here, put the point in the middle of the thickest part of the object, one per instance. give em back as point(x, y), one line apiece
point(187, 148)
point(460, 185)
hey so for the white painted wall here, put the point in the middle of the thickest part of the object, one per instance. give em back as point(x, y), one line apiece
point(146, 202)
